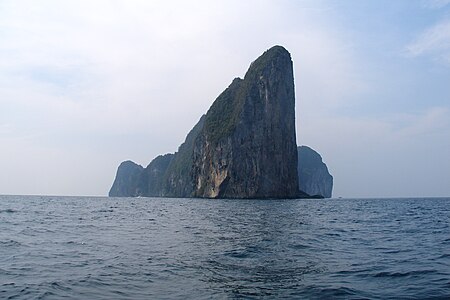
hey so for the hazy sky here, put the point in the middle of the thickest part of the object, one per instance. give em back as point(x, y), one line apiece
point(85, 85)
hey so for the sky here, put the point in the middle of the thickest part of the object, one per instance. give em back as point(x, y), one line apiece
point(85, 85)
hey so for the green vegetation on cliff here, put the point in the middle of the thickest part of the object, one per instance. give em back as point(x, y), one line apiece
point(154, 173)
point(177, 180)
point(221, 118)
point(243, 147)
point(263, 63)
point(223, 115)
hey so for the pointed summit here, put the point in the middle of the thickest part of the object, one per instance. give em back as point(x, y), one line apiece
point(247, 148)
point(244, 146)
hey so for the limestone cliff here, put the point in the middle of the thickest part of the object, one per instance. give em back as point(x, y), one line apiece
point(129, 181)
point(244, 147)
point(247, 147)
point(154, 175)
point(313, 174)
point(177, 180)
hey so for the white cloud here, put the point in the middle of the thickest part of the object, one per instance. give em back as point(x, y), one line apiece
point(435, 4)
point(86, 84)
point(435, 120)
point(434, 41)
point(82, 61)
point(138, 75)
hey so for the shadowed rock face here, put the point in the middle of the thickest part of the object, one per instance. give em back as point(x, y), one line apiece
point(243, 147)
point(313, 174)
point(129, 181)
point(247, 147)
point(154, 175)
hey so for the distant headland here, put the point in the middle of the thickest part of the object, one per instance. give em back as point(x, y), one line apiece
point(243, 147)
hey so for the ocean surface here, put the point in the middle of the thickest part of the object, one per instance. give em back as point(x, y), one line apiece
point(157, 248)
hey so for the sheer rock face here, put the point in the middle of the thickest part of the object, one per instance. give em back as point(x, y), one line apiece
point(244, 147)
point(313, 174)
point(177, 180)
point(247, 147)
point(129, 181)
point(154, 175)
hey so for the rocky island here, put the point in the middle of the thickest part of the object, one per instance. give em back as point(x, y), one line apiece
point(243, 147)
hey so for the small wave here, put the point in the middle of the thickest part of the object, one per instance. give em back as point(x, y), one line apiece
point(8, 211)
point(238, 254)
point(9, 243)
point(334, 234)
point(331, 293)
point(397, 251)
point(45, 295)
point(104, 210)
point(300, 246)
point(75, 243)
point(403, 274)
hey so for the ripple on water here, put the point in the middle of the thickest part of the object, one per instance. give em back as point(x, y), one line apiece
point(10, 243)
point(102, 248)
point(404, 274)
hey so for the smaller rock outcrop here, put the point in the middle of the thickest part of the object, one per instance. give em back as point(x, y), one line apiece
point(129, 181)
point(313, 175)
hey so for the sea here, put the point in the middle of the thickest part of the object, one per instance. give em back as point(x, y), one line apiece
point(161, 248)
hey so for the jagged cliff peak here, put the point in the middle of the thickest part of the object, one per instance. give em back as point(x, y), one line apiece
point(243, 147)
point(270, 58)
point(247, 146)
